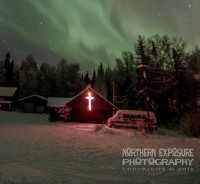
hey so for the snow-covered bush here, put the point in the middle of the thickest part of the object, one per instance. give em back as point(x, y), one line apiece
point(190, 123)
point(59, 113)
point(63, 113)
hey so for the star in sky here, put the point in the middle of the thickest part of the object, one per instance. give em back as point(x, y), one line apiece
point(91, 31)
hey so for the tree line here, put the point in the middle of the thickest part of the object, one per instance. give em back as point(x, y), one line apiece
point(170, 84)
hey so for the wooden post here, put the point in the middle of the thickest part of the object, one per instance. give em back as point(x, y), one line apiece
point(113, 85)
point(146, 98)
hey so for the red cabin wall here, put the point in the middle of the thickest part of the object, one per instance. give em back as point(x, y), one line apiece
point(101, 109)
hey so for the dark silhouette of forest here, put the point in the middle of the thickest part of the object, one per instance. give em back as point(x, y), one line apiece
point(171, 85)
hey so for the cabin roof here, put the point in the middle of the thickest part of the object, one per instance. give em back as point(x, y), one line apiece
point(5, 102)
point(7, 91)
point(90, 88)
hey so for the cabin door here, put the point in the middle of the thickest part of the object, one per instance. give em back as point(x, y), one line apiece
point(29, 107)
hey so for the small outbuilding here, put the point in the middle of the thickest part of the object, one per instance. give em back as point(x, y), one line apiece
point(87, 107)
point(33, 104)
point(8, 98)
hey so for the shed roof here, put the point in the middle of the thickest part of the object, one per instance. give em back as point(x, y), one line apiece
point(7, 91)
point(37, 96)
point(57, 101)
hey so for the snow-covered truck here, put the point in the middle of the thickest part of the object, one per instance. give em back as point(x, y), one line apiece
point(133, 119)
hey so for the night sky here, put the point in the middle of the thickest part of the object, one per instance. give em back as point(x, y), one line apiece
point(91, 31)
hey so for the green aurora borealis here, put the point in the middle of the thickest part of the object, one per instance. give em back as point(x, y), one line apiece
point(91, 31)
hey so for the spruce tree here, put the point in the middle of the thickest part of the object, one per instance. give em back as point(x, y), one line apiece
point(140, 50)
point(8, 66)
point(93, 80)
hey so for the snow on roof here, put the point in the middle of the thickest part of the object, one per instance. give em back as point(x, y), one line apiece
point(38, 96)
point(5, 102)
point(7, 91)
point(57, 101)
point(134, 112)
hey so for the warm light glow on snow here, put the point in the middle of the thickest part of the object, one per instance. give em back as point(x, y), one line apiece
point(89, 98)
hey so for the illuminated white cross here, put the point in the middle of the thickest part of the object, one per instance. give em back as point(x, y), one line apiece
point(89, 98)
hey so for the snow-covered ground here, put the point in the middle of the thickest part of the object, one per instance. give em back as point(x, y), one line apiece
point(35, 151)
